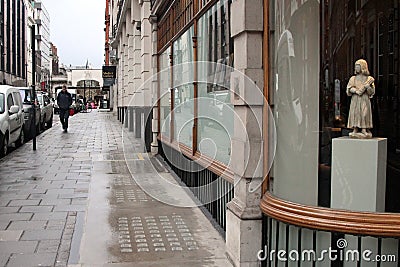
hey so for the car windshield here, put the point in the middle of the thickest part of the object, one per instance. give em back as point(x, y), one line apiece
point(1, 103)
point(25, 95)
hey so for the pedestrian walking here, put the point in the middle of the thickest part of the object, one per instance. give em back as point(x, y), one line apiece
point(64, 101)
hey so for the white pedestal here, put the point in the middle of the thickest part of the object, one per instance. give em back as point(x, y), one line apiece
point(359, 174)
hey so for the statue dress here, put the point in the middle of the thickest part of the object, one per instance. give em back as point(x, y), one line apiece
point(361, 88)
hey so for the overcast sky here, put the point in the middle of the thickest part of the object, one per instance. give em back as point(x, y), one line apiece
point(77, 30)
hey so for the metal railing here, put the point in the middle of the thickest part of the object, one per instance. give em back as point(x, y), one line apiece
point(291, 245)
point(213, 192)
point(295, 234)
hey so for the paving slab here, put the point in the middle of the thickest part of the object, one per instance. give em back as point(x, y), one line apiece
point(27, 225)
point(18, 247)
point(36, 209)
point(49, 216)
point(4, 225)
point(4, 258)
point(15, 217)
point(48, 246)
point(27, 202)
point(34, 259)
point(41, 235)
point(10, 235)
point(9, 209)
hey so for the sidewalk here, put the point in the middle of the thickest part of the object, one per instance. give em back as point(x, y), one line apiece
point(74, 202)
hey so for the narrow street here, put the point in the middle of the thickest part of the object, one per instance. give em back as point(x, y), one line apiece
point(73, 202)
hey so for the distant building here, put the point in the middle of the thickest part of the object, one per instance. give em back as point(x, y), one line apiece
point(87, 81)
point(42, 19)
point(30, 20)
point(54, 70)
point(12, 43)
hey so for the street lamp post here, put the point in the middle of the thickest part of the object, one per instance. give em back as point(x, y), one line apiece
point(33, 85)
point(26, 74)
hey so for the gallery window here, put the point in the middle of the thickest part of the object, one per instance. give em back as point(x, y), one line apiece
point(314, 46)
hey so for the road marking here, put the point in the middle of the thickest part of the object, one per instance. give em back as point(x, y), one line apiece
point(140, 156)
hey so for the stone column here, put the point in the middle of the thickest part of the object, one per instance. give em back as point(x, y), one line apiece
point(124, 38)
point(130, 86)
point(243, 226)
point(145, 30)
point(146, 47)
point(120, 75)
point(154, 83)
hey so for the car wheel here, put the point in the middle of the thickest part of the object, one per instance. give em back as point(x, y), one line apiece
point(43, 126)
point(21, 139)
point(4, 146)
point(50, 123)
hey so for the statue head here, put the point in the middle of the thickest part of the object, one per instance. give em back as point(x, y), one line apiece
point(363, 67)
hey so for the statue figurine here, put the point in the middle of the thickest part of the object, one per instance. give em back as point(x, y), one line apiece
point(361, 88)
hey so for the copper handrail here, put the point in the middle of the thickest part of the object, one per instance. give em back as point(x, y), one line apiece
point(333, 220)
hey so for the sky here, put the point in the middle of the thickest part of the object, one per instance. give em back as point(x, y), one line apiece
point(77, 30)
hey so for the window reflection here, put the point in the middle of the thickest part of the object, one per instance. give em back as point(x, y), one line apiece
point(215, 123)
point(183, 88)
point(295, 83)
point(165, 97)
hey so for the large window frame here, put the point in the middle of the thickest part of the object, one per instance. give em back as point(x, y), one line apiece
point(351, 30)
point(178, 18)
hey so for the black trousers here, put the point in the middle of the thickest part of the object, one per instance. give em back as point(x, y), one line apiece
point(64, 115)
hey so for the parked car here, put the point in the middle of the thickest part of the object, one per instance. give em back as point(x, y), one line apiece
point(11, 118)
point(79, 105)
point(46, 107)
point(27, 101)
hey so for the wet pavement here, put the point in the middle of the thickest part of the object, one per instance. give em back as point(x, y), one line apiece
point(74, 202)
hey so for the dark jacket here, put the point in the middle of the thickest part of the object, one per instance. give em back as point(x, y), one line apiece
point(64, 100)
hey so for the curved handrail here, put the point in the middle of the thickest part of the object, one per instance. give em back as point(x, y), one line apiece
point(326, 219)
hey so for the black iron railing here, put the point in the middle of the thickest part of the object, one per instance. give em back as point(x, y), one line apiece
point(213, 192)
point(290, 245)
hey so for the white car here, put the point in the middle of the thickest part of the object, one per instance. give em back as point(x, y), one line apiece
point(11, 118)
point(46, 107)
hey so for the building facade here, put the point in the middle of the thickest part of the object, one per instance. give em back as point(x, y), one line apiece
point(12, 42)
point(42, 37)
point(30, 20)
point(54, 69)
point(258, 121)
point(17, 18)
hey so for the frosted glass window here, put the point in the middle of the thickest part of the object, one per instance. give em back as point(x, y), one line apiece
point(215, 123)
point(295, 93)
point(183, 88)
point(165, 97)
